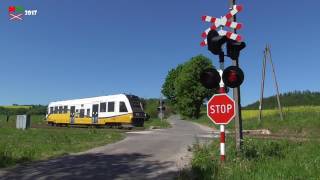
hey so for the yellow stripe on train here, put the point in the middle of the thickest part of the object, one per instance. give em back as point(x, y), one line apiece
point(65, 119)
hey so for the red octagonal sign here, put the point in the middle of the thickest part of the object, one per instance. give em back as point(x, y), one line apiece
point(221, 109)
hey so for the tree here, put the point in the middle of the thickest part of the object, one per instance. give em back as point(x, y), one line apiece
point(183, 88)
point(168, 88)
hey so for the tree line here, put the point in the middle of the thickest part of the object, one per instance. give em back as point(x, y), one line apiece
point(33, 110)
point(294, 98)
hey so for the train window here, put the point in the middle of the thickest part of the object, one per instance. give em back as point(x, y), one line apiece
point(103, 107)
point(110, 106)
point(56, 109)
point(81, 113)
point(51, 110)
point(72, 109)
point(65, 109)
point(88, 112)
point(60, 109)
point(123, 107)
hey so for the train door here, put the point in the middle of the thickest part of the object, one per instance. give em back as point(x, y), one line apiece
point(72, 112)
point(95, 113)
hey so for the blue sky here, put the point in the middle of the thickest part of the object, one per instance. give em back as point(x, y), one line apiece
point(84, 48)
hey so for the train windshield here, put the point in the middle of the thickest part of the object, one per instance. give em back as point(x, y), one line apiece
point(135, 103)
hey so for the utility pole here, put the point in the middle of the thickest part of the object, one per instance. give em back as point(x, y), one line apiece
point(161, 107)
point(275, 80)
point(266, 56)
point(264, 61)
point(236, 96)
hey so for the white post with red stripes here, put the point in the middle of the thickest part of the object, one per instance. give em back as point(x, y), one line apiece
point(222, 143)
point(222, 127)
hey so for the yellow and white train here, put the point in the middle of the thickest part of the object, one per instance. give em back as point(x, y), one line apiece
point(114, 110)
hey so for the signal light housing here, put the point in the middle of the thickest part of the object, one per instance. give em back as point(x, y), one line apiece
point(234, 48)
point(210, 78)
point(163, 108)
point(232, 76)
point(215, 42)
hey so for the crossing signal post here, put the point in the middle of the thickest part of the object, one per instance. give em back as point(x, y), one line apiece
point(161, 108)
point(236, 96)
point(232, 76)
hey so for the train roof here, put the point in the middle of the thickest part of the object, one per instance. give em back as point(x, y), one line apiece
point(89, 100)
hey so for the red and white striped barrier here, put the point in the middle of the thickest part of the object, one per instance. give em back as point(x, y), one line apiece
point(228, 34)
point(233, 25)
point(206, 32)
point(234, 10)
point(223, 21)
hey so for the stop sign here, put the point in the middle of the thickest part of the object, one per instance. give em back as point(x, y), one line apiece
point(221, 109)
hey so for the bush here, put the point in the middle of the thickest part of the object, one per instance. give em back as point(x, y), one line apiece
point(204, 165)
point(253, 149)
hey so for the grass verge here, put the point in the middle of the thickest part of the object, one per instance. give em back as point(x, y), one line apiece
point(260, 159)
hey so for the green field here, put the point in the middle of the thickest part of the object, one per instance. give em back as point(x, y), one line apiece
point(17, 107)
point(264, 158)
point(42, 142)
point(302, 120)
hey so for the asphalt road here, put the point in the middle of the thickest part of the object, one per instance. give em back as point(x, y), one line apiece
point(150, 154)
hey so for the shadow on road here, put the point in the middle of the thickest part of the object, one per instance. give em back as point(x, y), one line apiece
point(93, 166)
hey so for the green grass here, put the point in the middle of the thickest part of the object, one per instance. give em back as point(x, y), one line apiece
point(17, 146)
point(260, 159)
point(303, 120)
point(156, 122)
point(36, 120)
point(264, 158)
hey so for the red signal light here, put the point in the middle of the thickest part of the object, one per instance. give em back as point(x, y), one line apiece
point(232, 76)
